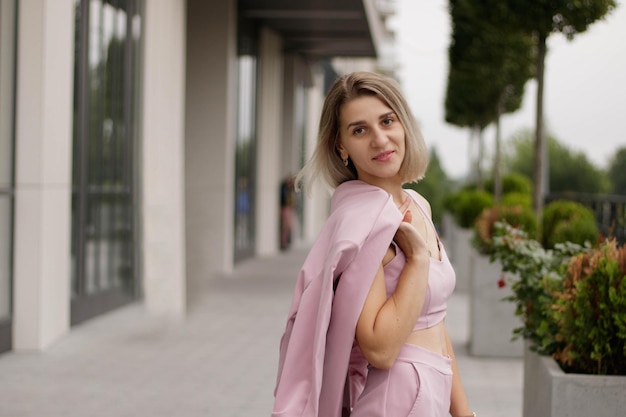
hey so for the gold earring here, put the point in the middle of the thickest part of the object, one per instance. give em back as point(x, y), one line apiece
point(345, 162)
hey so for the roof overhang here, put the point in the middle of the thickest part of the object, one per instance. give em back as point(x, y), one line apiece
point(320, 28)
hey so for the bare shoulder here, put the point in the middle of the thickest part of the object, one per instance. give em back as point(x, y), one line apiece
point(421, 201)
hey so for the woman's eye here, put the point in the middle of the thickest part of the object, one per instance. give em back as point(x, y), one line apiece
point(387, 122)
point(358, 131)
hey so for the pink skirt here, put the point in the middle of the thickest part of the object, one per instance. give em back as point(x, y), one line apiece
point(418, 384)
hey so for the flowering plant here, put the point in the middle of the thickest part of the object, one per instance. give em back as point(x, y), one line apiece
point(484, 226)
point(572, 299)
point(534, 273)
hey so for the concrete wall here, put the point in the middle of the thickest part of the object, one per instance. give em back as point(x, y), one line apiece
point(209, 136)
point(162, 158)
point(43, 176)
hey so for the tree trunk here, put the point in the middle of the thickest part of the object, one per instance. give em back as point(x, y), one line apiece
point(497, 162)
point(471, 151)
point(479, 160)
point(541, 148)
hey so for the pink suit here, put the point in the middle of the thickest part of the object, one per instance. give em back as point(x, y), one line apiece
point(315, 350)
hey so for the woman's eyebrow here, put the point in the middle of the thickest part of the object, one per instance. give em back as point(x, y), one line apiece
point(362, 122)
point(357, 123)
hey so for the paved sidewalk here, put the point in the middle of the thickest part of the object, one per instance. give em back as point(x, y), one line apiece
point(219, 362)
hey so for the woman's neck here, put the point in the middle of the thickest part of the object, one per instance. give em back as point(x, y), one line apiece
point(394, 188)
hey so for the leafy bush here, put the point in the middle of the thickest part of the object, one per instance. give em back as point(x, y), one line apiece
point(533, 272)
point(572, 299)
point(467, 205)
point(515, 198)
point(590, 312)
point(568, 221)
point(520, 216)
point(512, 183)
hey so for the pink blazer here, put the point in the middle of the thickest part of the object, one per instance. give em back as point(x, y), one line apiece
point(315, 350)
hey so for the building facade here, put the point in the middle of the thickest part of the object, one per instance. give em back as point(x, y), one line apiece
point(143, 144)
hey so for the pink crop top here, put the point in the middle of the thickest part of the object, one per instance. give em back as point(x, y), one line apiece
point(441, 283)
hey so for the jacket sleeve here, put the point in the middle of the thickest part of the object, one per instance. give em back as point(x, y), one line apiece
point(303, 343)
point(357, 374)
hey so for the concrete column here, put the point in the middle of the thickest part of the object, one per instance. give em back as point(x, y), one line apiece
point(316, 203)
point(296, 80)
point(289, 145)
point(210, 136)
point(162, 158)
point(268, 143)
point(43, 172)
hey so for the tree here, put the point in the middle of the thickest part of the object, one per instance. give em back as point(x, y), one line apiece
point(488, 72)
point(570, 171)
point(617, 171)
point(541, 18)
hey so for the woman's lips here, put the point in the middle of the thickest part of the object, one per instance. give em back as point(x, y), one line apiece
point(383, 156)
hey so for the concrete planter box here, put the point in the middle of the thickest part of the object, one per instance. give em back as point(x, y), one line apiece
point(550, 392)
point(492, 320)
point(460, 253)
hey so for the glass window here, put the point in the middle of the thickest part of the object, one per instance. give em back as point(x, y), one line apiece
point(103, 199)
point(245, 150)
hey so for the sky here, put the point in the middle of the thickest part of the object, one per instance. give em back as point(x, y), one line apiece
point(584, 91)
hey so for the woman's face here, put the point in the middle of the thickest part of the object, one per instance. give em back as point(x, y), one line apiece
point(371, 134)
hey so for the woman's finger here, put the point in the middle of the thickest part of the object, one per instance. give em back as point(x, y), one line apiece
point(405, 205)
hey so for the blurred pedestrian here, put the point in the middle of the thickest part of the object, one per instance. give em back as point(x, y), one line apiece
point(286, 212)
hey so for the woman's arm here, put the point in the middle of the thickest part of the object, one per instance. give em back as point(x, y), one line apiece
point(385, 323)
point(459, 406)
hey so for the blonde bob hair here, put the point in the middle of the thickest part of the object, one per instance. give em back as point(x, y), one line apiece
point(326, 161)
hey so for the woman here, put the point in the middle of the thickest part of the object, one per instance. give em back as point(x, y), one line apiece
point(366, 333)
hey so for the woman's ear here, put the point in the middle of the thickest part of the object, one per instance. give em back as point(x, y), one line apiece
point(342, 151)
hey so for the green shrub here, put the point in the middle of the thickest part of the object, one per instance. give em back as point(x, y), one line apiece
point(534, 273)
point(590, 312)
point(568, 221)
point(467, 206)
point(572, 299)
point(517, 215)
point(512, 183)
point(517, 199)
point(449, 202)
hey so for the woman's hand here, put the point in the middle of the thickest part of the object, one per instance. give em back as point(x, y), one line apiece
point(386, 322)
point(411, 242)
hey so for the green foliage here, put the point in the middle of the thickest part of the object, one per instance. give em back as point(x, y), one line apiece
point(534, 274)
point(569, 17)
point(568, 221)
point(569, 171)
point(617, 172)
point(590, 312)
point(572, 299)
point(517, 199)
point(518, 215)
point(434, 187)
point(466, 206)
point(488, 68)
point(540, 18)
point(512, 183)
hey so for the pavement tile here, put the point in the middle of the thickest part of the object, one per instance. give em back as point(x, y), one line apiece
point(219, 362)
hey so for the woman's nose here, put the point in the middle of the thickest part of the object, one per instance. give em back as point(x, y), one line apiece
point(378, 137)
